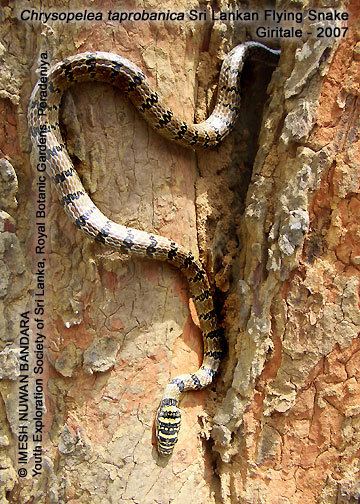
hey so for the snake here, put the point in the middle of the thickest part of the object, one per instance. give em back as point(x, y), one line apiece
point(131, 81)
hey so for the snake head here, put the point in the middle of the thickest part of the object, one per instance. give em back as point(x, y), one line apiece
point(168, 420)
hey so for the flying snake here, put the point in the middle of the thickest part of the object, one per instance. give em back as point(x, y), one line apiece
point(125, 75)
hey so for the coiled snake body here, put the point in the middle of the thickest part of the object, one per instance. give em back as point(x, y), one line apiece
point(126, 76)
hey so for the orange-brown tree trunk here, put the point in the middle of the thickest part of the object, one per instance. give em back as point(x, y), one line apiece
point(272, 214)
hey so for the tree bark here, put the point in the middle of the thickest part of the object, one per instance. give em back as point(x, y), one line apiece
point(272, 214)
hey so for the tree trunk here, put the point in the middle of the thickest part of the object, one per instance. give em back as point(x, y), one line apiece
point(271, 214)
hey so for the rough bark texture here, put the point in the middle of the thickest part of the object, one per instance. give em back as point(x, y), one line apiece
point(274, 219)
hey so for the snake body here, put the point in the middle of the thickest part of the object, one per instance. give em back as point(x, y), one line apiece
point(125, 75)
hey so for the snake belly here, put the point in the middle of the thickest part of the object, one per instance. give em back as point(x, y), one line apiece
point(125, 75)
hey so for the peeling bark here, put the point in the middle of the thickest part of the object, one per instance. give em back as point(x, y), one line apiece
point(272, 213)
